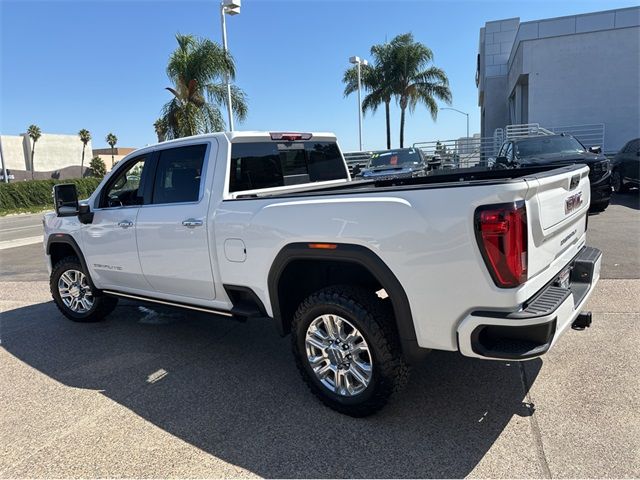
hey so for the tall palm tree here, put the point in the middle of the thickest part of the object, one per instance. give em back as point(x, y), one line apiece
point(377, 80)
point(197, 69)
point(111, 139)
point(34, 133)
point(160, 126)
point(85, 137)
point(415, 80)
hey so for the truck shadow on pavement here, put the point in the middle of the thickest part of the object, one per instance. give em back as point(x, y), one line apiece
point(232, 390)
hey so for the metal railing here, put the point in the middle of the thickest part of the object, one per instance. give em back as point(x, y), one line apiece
point(589, 135)
point(480, 151)
point(461, 152)
point(525, 130)
point(357, 158)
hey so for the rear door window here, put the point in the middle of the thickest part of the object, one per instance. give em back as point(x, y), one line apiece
point(258, 165)
point(179, 174)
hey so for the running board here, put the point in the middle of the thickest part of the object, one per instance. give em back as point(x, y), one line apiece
point(171, 304)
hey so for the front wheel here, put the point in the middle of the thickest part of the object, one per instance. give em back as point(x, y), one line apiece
point(347, 349)
point(617, 183)
point(73, 294)
point(599, 207)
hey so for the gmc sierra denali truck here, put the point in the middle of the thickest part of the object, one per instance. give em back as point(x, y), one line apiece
point(366, 276)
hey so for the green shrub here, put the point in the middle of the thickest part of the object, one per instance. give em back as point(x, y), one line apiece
point(34, 194)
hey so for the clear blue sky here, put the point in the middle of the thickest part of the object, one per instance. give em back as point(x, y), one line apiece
point(100, 64)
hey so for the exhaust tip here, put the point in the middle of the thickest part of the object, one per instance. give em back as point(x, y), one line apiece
point(582, 321)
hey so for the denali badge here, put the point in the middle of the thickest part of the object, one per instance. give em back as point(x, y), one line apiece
point(572, 202)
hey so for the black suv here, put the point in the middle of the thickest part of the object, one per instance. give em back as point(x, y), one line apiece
point(626, 166)
point(560, 150)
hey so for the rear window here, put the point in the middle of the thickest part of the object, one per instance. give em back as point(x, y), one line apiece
point(275, 164)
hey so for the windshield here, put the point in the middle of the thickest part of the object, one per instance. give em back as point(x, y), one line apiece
point(533, 147)
point(395, 158)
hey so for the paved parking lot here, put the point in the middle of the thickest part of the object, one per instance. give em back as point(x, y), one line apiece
point(162, 393)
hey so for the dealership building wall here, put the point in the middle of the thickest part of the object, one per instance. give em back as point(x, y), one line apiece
point(567, 71)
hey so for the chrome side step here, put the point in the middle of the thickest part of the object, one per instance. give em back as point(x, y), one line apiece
point(171, 304)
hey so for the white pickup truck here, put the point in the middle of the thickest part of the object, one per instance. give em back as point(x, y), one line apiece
point(366, 276)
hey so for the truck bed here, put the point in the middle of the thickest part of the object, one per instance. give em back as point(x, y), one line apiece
point(458, 178)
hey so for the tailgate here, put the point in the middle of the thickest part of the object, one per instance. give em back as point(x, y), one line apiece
point(557, 206)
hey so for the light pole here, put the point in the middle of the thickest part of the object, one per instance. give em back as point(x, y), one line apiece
point(4, 168)
point(359, 62)
point(459, 111)
point(228, 7)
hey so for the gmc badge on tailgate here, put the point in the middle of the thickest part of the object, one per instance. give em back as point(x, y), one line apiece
point(572, 202)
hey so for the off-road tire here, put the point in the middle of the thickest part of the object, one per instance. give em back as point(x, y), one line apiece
point(102, 305)
point(374, 318)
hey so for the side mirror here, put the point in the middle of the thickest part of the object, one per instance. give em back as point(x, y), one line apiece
point(65, 199)
point(356, 170)
point(595, 149)
point(502, 162)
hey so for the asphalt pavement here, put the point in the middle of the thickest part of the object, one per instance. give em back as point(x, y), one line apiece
point(20, 230)
point(153, 392)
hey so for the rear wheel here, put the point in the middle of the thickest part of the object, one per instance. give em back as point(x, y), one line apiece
point(73, 295)
point(347, 349)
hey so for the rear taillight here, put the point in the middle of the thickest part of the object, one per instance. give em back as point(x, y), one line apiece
point(501, 231)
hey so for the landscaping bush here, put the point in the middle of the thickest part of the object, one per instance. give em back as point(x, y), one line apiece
point(36, 194)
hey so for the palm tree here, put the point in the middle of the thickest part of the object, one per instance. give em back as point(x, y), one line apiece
point(415, 81)
point(197, 69)
point(111, 139)
point(160, 126)
point(34, 133)
point(85, 137)
point(377, 80)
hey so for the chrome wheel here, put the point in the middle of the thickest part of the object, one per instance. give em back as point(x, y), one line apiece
point(338, 355)
point(75, 292)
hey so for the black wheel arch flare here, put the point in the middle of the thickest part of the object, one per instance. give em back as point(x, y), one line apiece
point(362, 256)
point(66, 239)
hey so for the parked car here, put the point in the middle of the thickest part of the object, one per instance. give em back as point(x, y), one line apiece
point(562, 149)
point(399, 163)
point(366, 276)
point(625, 167)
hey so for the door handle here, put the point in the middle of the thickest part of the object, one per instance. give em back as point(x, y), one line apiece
point(192, 222)
point(125, 224)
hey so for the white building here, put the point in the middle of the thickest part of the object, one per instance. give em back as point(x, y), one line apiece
point(563, 72)
point(56, 156)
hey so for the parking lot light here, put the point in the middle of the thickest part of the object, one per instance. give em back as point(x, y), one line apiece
point(228, 7)
point(459, 111)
